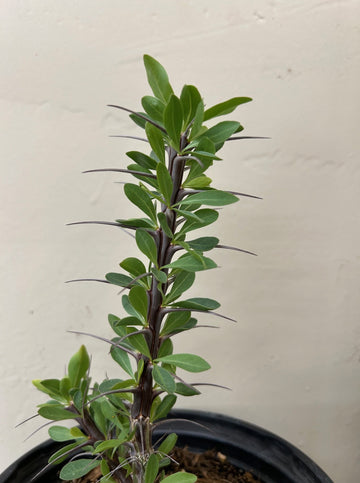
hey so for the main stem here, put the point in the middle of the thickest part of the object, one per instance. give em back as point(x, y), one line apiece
point(145, 394)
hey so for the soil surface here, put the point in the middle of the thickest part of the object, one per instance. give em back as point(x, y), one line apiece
point(209, 467)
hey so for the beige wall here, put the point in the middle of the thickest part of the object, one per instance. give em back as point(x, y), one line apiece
point(293, 358)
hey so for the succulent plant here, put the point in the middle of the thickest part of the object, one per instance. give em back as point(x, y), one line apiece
point(114, 420)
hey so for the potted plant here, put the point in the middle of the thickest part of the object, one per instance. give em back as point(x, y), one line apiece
point(121, 427)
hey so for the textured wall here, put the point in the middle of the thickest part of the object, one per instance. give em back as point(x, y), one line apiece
point(293, 358)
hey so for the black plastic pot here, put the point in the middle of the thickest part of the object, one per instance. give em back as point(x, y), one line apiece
point(267, 456)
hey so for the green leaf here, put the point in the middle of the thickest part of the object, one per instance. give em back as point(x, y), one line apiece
point(128, 307)
point(168, 444)
point(163, 378)
point(165, 406)
point(177, 321)
point(225, 107)
point(77, 468)
point(200, 182)
point(139, 121)
point(164, 224)
point(185, 390)
point(109, 444)
point(154, 107)
point(198, 120)
point(118, 279)
point(138, 299)
point(159, 275)
point(211, 198)
point(134, 266)
point(221, 131)
point(203, 244)
point(157, 78)
point(188, 362)
point(165, 182)
point(191, 263)
point(173, 119)
point(56, 457)
point(190, 98)
point(122, 358)
point(183, 281)
point(166, 348)
point(78, 366)
point(198, 303)
point(65, 386)
point(56, 413)
point(156, 141)
point(137, 223)
point(147, 245)
point(139, 343)
point(49, 386)
point(181, 477)
point(152, 468)
point(207, 217)
point(141, 199)
point(143, 159)
point(60, 433)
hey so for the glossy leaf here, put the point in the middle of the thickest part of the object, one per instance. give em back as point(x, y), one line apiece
point(181, 477)
point(122, 358)
point(154, 107)
point(225, 107)
point(78, 468)
point(185, 390)
point(142, 159)
point(78, 366)
point(188, 362)
point(191, 263)
point(210, 198)
point(138, 300)
point(134, 266)
point(165, 406)
point(118, 279)
point(156, 141)
point(141, 199)
point(146, 245)
point(183, 281)
point(157, 78)
point(152, 468)
point(176, 322)
point(165, 182)
point(207, 217)
point(173, 119)
point(199, 182)
point(221, 131)
point(190, 98)
point(198, 303)
point(163, 378)
point(60, 433)
point(203, 244)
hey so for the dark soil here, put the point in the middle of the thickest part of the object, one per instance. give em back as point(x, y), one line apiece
point(209, 467)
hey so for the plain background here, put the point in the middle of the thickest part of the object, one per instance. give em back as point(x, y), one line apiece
point(292, 359)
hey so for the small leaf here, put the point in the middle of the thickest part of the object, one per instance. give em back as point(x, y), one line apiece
point(211, 198)
point(138, 300)
point(165, 406)
point(109, 444)
point(147, 245)
point(118, 279)
point(180, 477)
point(143, 159)
point(225, 107)
point(191, 263)
point(154, 107)
point(56, 413)
point(168, 444)
point(176, 321)
point(159, 275)
point(141, 199)
point(157, 78)
point(190, 98)
point(56, 457)
point(164, 225)
point(166, 348)
point(198, 120)
point(203, 244)
point(156, 141)
point(122, 358)
point(173, 119)
point(188, 362)
point(207, 217)
point(163, 378)
point(77, 468)
point(200, 182)
point(185, 390)
point(198, 303)
point(139, 343)
point(183, 281)
point(165, 182)
point(78, 366)
point(152, 468)
point(221, 131)
point(134, 266)
point(60, 433)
